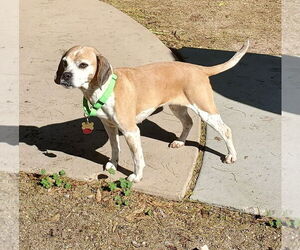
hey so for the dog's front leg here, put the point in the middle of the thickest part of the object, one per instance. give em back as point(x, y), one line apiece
point(133, 140)
point(113, 135)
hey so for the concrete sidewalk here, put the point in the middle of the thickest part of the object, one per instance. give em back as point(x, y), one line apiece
point(249, 100)
point(9, 120)
point(50, 116)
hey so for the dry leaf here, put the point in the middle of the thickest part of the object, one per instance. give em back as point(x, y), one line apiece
point(98, 195)
point(55, 218)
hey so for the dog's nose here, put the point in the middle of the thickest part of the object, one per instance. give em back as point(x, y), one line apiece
point(66, 76)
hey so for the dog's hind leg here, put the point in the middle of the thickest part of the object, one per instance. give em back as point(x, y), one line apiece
point(182, 114)
point(113, 134)
point(215, 121)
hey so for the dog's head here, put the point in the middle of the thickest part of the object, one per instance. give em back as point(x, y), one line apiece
point(82, 67)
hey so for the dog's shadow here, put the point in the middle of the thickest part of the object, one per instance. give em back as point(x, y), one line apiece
point(67, 137)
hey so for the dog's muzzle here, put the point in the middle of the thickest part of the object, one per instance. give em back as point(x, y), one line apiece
point(65, 80)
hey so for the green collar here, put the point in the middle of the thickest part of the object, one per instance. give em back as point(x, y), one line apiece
point(92, 111)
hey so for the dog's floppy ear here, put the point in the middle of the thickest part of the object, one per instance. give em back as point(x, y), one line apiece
point(103, 70)
point(60, 70)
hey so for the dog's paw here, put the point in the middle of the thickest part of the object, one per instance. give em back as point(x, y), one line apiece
point(134, 178)
point(230, 159)
point(176, 144)
point(109, 165)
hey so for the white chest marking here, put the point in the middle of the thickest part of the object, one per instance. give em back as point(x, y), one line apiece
point(108, 110)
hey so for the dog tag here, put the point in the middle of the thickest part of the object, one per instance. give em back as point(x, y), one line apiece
point(87, 127)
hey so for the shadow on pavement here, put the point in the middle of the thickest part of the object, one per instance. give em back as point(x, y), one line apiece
point(254, 81)
point(291, 84)
point(67, 137)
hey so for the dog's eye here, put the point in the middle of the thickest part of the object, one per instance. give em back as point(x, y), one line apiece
point(83, 65)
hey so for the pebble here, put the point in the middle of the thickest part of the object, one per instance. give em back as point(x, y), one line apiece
point(91, 196)
point(135, 244)
point(169, 244)
point(205, 247)
point(162, 213)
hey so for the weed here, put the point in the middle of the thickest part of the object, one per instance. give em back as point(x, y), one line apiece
point(62, 172)
point(111, 171)
point(43, 172)
point(118, 200)
point(297, 223)
point(112, 186)
point(287, 222)
point(67, 186)
point(275, 223)
point(125, 202)
point(127, 192)
point(48, 181)
point(123, 187)
point(149, 212)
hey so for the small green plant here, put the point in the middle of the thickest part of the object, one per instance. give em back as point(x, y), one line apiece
point(118, 200)
point(127, 192)
point(275, 223)
point(287, 222)
point(112, 186)
point(62, 172)
point(43, 172)
point(125, 202)
point(48, 181)
point(294, 223)
point(67, 186)
point(149, 212)
point(297, 223)
point(123, 187)
point(111, 171)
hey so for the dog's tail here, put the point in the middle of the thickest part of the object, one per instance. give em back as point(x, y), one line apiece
point(214, 70)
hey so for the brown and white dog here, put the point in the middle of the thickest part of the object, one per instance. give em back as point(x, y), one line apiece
point(139, 91)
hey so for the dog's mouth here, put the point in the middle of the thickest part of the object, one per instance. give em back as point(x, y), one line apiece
point(67, 85)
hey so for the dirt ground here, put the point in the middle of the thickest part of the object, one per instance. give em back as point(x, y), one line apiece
point(74, 219)
point(218, 24)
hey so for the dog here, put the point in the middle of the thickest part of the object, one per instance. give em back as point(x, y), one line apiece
point(139, 91)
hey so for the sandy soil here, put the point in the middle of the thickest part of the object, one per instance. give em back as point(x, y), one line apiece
point(74, 219)
point(210, 24)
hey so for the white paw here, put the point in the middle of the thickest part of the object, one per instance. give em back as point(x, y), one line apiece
point(176, 144)
point(230, 159)
point(134, 178)
point(109, 165)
